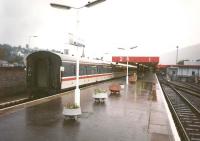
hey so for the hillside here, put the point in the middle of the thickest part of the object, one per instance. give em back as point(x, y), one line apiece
point(190, 53)
point(13, 54)
point(16, 55)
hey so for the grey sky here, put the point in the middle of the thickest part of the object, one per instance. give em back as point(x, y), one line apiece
point(16, 19)
point(156, 26)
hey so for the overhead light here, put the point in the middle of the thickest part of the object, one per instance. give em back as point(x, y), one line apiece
point(60, 6)
point(121, 48)
point(90, 4)
point(133, 47)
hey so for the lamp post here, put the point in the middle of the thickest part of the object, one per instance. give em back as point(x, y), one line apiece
point(127, 61)
point(177, 55)
point(66, 7)
point(29, 39)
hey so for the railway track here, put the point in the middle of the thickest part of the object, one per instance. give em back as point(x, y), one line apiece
point(187, 117)
point(187, 86)
point(185, 109)
point(193, 99)
point(192, 85)
point(14, 102)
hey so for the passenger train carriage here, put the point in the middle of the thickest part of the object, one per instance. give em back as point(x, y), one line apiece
point(51, 72)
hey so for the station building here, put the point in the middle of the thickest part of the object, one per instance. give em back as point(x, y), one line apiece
point(187, 71)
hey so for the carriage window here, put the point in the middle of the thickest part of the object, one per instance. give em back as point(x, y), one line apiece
point(104, 69)
point(69, 69)
point(88, 70)
point(93, 69)
point(100, 69)
point(83, 70)
point(109, 69)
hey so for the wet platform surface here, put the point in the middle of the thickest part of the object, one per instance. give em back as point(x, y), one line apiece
point(130, 116)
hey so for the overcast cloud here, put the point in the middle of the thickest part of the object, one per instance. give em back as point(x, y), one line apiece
point(155, 26)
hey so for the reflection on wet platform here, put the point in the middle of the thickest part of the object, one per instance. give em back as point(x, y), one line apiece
point(129, 116)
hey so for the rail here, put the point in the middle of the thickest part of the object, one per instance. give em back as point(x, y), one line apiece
point(185, 112)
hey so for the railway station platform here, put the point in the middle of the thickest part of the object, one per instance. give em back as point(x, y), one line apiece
point(131, 116)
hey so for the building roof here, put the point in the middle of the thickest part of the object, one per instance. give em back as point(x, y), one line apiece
point(180, 66)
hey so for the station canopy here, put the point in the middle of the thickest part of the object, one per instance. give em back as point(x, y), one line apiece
point(147, 60)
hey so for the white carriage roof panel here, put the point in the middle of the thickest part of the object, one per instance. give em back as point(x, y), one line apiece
point(68, 58)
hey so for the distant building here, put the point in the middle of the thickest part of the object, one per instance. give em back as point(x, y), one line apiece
point(19, 53)
point(187, 72)
point(188, 62)
point(3, 63)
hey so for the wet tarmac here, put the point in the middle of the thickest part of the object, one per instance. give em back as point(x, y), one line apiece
point(130, 116)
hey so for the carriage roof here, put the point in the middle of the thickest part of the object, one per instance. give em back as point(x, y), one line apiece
point(68, 58)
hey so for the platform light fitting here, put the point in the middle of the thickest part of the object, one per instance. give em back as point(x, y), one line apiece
point(60, 6)
point(133, 47)
point(90, 4)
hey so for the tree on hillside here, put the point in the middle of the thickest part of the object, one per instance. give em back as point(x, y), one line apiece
point(2, 53)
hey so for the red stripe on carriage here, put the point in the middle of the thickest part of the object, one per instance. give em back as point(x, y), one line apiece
point(83, 77)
